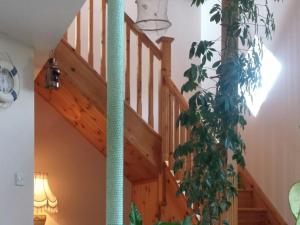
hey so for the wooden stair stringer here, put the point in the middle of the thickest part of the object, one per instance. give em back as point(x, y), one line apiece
point(176, 208)
point(146, 197)
point(259, 201)
point(81, 100)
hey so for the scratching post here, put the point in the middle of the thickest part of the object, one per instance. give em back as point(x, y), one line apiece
point(115, 113)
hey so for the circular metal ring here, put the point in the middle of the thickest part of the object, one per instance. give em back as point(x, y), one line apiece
point(167, 22)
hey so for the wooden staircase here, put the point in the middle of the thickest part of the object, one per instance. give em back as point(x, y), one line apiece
point(254, 208)
point(81, 100)
point(149, 142)
point(150, 135)
point(248, 214)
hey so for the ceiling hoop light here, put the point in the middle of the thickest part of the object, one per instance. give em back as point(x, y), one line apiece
point(152, 15)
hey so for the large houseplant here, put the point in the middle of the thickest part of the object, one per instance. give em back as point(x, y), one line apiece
point(216, 113)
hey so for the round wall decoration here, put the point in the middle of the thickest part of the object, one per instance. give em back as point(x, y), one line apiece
point(9, 81)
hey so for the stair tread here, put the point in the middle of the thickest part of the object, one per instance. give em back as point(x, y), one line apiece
point(245, 198)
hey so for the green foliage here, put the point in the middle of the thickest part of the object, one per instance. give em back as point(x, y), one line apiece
point(294, 200)
point(215, 114)
point(136, 218)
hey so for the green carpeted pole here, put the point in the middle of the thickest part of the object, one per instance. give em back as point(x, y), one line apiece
point(115, 113)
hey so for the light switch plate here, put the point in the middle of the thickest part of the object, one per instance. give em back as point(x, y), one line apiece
point(19, 179)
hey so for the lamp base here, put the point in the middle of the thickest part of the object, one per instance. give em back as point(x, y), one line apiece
point(39, 219)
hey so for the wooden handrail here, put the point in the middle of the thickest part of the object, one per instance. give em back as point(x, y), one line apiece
point(146, 41)
point(176, 93)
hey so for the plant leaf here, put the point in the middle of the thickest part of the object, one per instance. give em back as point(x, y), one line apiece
point(134, 216)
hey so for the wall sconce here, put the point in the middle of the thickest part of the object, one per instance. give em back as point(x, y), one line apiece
point(44, 199)
point(52, 74)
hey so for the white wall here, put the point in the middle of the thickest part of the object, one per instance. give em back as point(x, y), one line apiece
point(75, 168)
point(272, 138)
point(17, 141)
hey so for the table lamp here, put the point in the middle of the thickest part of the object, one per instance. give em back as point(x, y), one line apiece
point(44, 199)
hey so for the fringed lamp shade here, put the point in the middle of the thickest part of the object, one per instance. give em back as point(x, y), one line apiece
point(152, 15)
point(44, 199)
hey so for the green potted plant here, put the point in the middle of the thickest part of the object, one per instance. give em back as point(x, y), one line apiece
point(294, 200)
point(216, 114)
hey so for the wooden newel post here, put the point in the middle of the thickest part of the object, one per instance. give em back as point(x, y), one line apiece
point(164, 111)
point(166, 64)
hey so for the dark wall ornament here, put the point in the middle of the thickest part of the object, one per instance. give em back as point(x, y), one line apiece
point(52, 74)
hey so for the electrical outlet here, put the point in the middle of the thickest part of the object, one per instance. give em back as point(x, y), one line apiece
point(19, 179)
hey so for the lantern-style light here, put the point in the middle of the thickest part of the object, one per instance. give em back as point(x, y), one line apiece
point(52, 74)
point(152, 15)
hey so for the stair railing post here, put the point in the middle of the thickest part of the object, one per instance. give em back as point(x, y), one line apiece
point(164, 126)
point(166, 49)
